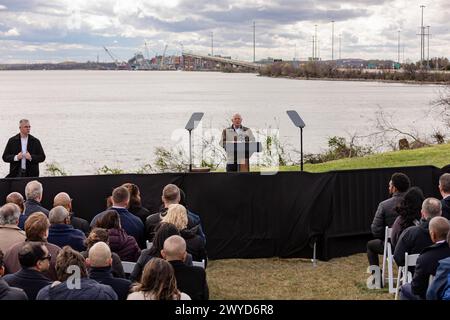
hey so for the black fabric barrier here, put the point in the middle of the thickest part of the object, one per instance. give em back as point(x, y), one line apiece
point(248, 215)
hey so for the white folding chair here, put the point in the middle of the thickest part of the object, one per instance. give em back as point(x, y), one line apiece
point(128, 267)
point(148, 244)
point(388, 257)
point(199, 263)
point(404, 276)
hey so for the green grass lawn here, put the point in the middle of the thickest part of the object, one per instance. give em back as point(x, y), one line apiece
point(341, 278)
point(438, 156)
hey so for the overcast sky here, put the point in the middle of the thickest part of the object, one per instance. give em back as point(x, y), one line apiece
point(61, 30)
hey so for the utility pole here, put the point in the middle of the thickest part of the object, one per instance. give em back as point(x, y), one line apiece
point(398, 48)
point(332, 40)
point(340, 46)
point(422, 40)
point(428, 45)
point(254, 42)
point(212, 44)
point(316, 53)
point(313, 48)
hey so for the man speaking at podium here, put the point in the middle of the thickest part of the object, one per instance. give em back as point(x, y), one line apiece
point(236, 133)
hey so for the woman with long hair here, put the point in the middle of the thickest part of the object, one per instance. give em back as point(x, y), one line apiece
point(119, 241)
point(158, 282)
point(135, 204)
point(408, 213)
point(177, 215)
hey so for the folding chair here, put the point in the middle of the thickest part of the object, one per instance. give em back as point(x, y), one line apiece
point(404, 276)
point(199, 263)
point(128, 267)
point(387, 256)
point(148, 244)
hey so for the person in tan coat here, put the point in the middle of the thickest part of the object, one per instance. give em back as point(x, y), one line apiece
point(10, 233)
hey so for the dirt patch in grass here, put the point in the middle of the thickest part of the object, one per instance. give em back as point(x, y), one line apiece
point(292, 279)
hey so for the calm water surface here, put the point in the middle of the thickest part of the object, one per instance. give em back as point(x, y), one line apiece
point(87, 119)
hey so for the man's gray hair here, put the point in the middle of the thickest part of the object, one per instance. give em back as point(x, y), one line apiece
point(432, 207)
point(33, 190)
point(9, 214)
point(22, 121)
point(58, 215)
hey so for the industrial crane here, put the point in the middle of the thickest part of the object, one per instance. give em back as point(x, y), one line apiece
point(162, 58)
point(119, 65)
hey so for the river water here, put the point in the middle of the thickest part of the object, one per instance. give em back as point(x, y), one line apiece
point(87, 119)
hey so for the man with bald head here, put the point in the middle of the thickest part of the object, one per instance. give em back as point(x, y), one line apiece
point(416, 238)
point(16, 198)
point(61, 233)
point(100, 262)
point(64, 200)
point(428, 260)
point(236, 132)
point(190, 279)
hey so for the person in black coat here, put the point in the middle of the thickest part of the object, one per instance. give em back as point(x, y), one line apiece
point(386, 215)
point(444, 189)
point(416, 238)
point(428, 260)
point(34, 259)
point(100, 262)
point(23, 152)
point(163, 231)
point(7, 292)
point(190, 280)
point(135, 204)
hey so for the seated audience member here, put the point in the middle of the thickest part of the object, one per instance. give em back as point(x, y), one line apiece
point(67, 288)
point(34, 260)
point(129, 222)
point(193, 218)
point(158, 282)
point(62, 233)
point(16, 198)
point(135, 205)
point(163, 231)
point(119, 241)
point(437, 287)
point(428, 260)
point(36, 229)
point(64, 200)
point(100, 262)
point(101, 235)
point(33, 194)
point(177, 215)
point(444, 189)
point(191, 280)
point(10, 233)
point(7, 292)
point(408, 213)
point(386, 215)
point(416, 238)
point(172, 195)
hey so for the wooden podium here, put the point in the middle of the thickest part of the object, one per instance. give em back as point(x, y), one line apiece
point(241, 151)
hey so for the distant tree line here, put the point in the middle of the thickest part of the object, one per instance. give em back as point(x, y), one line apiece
point(329, 70)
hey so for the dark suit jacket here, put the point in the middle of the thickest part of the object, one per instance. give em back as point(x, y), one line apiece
point(191, 280)
point(30, 280)
point(426, 265)
point(14, 146)
point(446, 207)
point(104, 276)
point(413, 240)
point(80, 224)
